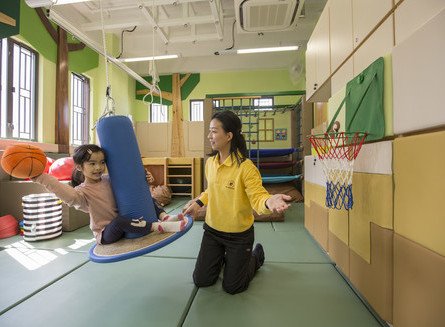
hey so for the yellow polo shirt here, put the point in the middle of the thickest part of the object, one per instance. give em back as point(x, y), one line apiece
point(232, 192)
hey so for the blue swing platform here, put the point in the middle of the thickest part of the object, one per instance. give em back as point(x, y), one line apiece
point(127, 248)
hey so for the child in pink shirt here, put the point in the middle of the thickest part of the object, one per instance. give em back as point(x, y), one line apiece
point(91, 192)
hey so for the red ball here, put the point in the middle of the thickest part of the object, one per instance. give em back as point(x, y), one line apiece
point(23, 161)
point(49, 162)
point(62, 169)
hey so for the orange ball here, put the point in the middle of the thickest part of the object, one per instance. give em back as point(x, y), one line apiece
point(23, 161)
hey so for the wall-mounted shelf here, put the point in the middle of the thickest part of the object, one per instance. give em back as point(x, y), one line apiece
point(183, 175)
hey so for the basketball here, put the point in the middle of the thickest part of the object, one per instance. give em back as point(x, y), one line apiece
point(23, 161)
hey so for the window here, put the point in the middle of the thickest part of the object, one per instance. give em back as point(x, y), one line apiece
point(267, 103)
point(158, 113)
point(80, 104)
point(18, 90)
point(265, 129)
point(196, 110)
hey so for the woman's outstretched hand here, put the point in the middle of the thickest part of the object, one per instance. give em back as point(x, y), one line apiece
point(192, 209)
point(277, 202)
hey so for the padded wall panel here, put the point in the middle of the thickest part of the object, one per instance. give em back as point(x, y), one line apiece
point(373, 202)
point(314, 192)
point(419, 175)
point(339, 224)
point(374, 279)
point(339, 253)
point(418, 72)
point(333, 104)
point(375, 158)
point(419, 285)
point(319, 219)
point(412, 14)
point(153, 139)
point(308, 221)
point(388, 109)
point(313, 171)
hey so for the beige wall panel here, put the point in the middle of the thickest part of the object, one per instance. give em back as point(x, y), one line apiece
point(379, 44)
point(339, 224)
point(366, 15)
point(412, 14)
point(339, 253)
point(419, 175)
point(418, 70)
point(308, 221)
point(333, 104)
point(340, 23)
point(374, 279)
point(342, 76)
point(375, 158)
point(314, 192)
point(419, 285)
point(373, 202)
point(320, 220)
point(194, 145)
point(153, 139)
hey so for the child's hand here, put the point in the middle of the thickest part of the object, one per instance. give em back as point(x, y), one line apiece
point(276, 203)
point(149, 177)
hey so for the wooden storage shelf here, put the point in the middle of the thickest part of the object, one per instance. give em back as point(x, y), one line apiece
point(182, 175)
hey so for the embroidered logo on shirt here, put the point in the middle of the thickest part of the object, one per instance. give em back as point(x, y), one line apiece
point(231, 184)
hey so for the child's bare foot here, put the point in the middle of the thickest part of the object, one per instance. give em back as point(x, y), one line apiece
point(177, 217)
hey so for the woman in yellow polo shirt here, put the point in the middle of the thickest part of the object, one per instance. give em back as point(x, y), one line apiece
point(234, 189)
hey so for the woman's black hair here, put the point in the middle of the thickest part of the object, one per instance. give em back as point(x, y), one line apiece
point(81, 155)
point(231, 123)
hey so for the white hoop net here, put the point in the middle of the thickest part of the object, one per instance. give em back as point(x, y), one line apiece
point(337, 153)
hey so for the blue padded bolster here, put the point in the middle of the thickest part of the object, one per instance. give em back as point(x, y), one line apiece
point(127, 174)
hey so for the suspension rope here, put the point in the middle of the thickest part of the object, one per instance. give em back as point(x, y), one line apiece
point(109, 101)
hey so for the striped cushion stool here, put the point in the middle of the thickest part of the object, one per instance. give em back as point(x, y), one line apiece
point(42, 216)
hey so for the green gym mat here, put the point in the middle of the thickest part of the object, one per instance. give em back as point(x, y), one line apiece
point(24, 271)
point(294, 246)
point(309, 295)
point(138, 292)
point(79, 240)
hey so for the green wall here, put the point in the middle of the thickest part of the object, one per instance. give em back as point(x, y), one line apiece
point(266, 81)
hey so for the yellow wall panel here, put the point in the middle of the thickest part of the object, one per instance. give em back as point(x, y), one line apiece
point(339, 224)
point(373, 202)
point(314, 192)
point(419, 177)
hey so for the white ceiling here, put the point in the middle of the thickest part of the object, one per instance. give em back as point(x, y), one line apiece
point(195, 30)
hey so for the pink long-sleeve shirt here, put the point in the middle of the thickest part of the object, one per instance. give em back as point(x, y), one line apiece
point(97, 199)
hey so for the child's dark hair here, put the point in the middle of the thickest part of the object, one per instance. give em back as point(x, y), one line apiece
point(81, 155)
point(231, 123)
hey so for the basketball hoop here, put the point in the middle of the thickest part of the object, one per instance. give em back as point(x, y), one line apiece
point(337, 152)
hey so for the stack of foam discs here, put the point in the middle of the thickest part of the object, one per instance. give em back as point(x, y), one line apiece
point(42, 216)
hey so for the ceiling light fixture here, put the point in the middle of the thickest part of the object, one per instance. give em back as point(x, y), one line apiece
point(173, 56)
point(47, 3)
point(272, 49)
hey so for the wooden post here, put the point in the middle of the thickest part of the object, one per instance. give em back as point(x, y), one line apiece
point(177, 119)
point(62, 127)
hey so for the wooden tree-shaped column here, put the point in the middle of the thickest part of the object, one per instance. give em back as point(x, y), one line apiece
point(59, 35)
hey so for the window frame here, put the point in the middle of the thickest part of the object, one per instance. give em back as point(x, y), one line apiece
point(8, 75)
point(85, 120)
point(160, 113)
point(191, 109)
point(266, 107)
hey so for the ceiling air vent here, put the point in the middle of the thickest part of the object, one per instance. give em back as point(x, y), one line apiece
point(267, 15)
